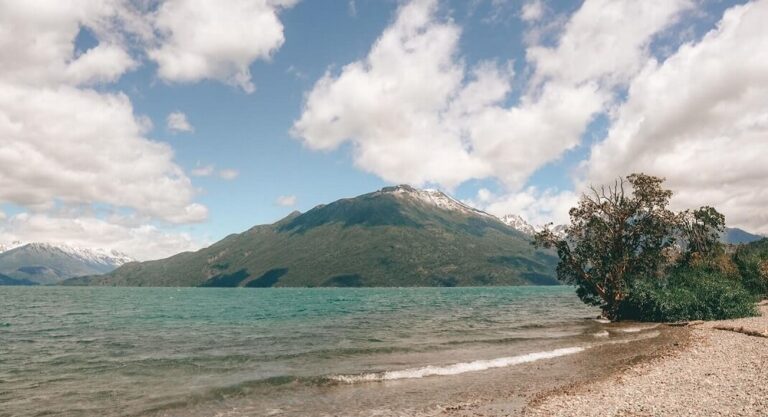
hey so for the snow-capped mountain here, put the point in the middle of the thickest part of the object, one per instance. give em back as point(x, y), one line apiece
point(4, 247)
point(433, 197)
point(559, 230)
point(47, 263)
point(106, 257)
point(441, 200)
point(518, 223)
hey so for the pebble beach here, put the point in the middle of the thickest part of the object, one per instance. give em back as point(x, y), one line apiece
point(717, 373)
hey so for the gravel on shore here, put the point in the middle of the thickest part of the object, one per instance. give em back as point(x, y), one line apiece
point(719, 373)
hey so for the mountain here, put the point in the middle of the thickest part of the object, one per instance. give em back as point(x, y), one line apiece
point(516, 222)
point(734, 235)
point(6, 280)
point(397, 236)
point(46, 263)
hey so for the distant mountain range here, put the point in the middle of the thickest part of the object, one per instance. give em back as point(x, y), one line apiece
point(46, 263)
point(397, 236)
point(732, 235)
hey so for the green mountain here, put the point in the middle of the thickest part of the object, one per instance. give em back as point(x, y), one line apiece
point(398, 236)
point(6, 280)
point(734, 235)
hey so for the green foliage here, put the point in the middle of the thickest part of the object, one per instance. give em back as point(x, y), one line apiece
point(688, 294)
point(630, 255)
point(701, 230)
point(752, 263)
point(616, 233)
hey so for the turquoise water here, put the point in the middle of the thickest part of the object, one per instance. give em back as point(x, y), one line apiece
point(194, 351)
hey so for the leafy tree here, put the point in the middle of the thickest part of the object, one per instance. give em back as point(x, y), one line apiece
point(625, 232)
point(701, 230)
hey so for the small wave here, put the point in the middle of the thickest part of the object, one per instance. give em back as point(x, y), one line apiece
point(602, 333)
point(455, 369)
point(643, 336)
point(637, 329)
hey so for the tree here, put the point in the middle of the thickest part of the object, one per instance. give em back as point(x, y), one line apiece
point(617, 234)
point(701, 229)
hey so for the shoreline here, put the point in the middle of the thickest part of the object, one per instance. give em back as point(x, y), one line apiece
point(553, 377)
point(699, 369)
point(717, 372)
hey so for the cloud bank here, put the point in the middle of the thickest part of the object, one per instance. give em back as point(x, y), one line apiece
point(413, 111)
point(68, 141)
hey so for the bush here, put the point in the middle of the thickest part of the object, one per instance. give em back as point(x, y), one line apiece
point(688, 294)
point(752, 263)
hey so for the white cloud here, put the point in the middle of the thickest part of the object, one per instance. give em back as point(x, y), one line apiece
point(228, 174)
point(37, 42)
point(532, 10)
point(203, 171)
point(535, 206)
point(177, 122)
point(141, 241)
point(286, 201)
point(605, 41)
point(64, 144)
point(81, 146)
point(414, 113)
point(208, 170)
point(700, 119)
point(202, 39)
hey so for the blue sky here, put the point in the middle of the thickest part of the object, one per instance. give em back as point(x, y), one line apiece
point(519, 105)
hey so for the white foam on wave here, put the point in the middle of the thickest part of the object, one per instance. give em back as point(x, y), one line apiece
point(643, 336)
point(637, 329)
point(455, 369)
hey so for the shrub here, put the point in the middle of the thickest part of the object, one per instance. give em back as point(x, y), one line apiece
point(688, 294)
point(752, 263)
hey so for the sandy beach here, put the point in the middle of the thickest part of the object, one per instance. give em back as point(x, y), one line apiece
point(717, 373)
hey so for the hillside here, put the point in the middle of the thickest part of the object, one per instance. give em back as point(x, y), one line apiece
point(6, 280)
point(45, 263)
point(735, 236)
point(398, 236)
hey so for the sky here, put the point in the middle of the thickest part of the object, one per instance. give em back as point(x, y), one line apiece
point(154, 127)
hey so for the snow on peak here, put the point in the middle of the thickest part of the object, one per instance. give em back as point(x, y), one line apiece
point(516, 222)
point(92, 256)
point(433, 197)
point(5, 247)
point(559, 231)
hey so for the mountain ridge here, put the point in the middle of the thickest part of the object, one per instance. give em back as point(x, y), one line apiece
point(396, 236)
point(49, 263)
